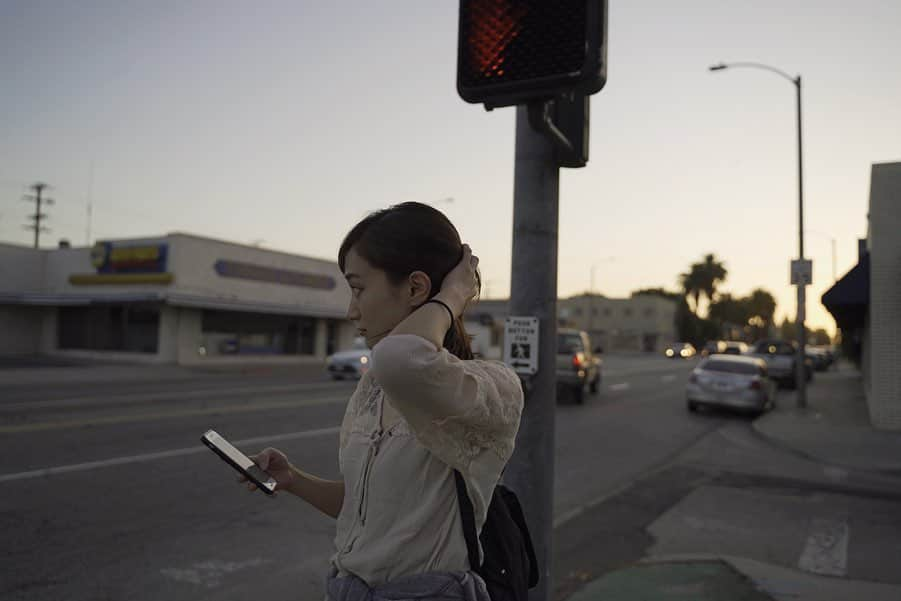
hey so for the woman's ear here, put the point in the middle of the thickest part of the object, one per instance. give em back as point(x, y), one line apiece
point(420, 288)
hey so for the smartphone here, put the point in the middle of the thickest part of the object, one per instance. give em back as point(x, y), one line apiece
point(239, 461)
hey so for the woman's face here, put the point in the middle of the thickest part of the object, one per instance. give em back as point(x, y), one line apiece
point(376, 306)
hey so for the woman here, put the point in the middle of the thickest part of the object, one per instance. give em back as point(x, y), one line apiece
point(424, 409)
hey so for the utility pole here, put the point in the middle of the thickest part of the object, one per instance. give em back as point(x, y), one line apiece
point(533, 291)
point(38, 216)
point(498, 41)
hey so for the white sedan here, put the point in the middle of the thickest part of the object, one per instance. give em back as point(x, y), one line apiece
point(350, 364)
point(731, 381)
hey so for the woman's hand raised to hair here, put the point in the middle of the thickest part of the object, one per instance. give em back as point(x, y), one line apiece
point(461, 285)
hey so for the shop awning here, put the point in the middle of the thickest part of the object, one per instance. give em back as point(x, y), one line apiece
point(849, 299)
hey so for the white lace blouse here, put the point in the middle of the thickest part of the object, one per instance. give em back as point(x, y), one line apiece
point(400, 514)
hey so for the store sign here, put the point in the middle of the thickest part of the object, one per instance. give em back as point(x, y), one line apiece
point(273, 275)
point(109, 257)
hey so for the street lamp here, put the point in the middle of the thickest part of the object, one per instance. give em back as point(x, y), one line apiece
point(801, 283)
point(832, 240)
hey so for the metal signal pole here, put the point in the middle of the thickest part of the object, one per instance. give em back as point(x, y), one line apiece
point(533, 291)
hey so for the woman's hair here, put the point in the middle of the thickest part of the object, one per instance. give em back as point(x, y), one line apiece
point(412, 237)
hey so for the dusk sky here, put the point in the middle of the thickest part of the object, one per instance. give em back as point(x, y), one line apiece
point(284, 123)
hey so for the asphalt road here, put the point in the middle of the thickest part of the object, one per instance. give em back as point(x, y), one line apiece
point(106, 492)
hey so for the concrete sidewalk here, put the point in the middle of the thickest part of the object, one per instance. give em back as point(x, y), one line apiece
point(834, 431)
point(725, 578)
point(835, 427)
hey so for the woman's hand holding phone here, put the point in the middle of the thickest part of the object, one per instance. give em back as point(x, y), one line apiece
point(276, 464)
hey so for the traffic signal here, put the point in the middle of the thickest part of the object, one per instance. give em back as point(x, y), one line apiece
point(516, 51)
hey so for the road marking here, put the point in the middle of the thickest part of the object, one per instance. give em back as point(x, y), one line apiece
point(668, 378)
point(836, 474)
point(826, 551)
point(209, 573)
point(92, 465)
point(171, 395)
point(121, 419)
point(620, 386)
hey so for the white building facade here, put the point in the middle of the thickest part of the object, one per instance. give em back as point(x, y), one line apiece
point(174, 299)
point(866, 302)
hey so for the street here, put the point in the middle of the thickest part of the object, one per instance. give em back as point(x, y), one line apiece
point(107, 492)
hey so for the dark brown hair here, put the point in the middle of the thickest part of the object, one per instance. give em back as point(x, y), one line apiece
point(412, 237)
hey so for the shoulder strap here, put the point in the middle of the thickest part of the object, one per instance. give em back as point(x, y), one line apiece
point(467, 515)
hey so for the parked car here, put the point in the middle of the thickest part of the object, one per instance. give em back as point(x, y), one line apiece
point(735, 348)
point(352, 363)
point(680, 350)
point(578, 367)
point(713, 347)
point(781, 358)
point(730, 381)
point(821, 357)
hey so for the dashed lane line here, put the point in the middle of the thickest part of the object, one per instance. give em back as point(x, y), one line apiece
point(81, 467)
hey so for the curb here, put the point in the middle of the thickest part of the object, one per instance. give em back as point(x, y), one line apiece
point(785, 446)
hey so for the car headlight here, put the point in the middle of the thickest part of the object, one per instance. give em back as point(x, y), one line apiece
point(364, 360)
point(669, 352)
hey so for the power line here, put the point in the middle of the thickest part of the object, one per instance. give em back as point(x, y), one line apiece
point(38, 216)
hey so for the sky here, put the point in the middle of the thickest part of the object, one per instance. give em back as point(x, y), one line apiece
point(282, 123)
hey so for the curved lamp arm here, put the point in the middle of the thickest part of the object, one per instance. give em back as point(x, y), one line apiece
point(722, 66)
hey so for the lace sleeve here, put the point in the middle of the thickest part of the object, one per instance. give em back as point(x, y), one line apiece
point(457, 409)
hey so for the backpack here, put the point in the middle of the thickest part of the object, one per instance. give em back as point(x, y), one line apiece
point(510, 568)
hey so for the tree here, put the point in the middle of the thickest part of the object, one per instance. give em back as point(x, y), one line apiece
point(691, 286)
point(703, 279)
point(762, 304)
point(728, 310)
point(711, 273)
point(820, 337)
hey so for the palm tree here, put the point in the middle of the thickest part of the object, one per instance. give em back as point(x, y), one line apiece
point(762, 304)
point(711, 273)
point(691, 285)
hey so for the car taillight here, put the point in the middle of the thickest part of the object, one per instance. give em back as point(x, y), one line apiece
point(578, 360)
point(755, 385)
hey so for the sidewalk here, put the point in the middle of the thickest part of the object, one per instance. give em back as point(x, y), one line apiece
point(834, 431)
point(835, 428)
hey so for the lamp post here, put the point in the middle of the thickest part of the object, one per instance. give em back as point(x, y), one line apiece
point(801, 373)
point(832, 240)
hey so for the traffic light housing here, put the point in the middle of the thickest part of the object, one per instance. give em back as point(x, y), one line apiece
point(517, 51)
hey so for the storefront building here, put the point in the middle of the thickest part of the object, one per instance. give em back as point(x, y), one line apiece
point(643, 323)
point(866, 302)
point(176, 299)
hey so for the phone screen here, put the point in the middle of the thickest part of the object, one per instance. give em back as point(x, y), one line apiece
point(239, 461)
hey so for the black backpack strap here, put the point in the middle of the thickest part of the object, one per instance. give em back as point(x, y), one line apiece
point(467, 515)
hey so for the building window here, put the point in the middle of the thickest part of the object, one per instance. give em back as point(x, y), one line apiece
point(627, 311)
point(608, 312)
point(123, 328)
point(649, 312)
point(578, 312)
point(594, 311)
point(245, 333)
